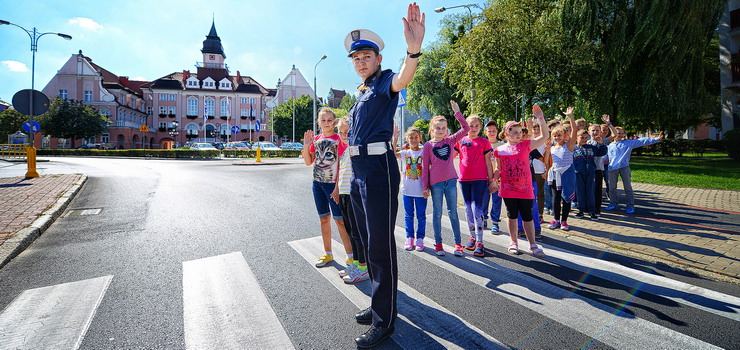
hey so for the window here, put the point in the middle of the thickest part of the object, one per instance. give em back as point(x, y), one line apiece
point(105, 138)
point(149, 110)
point(245, 113)
point(162, 110)
point(224, 107)
point(254, 113)
point(163, 125)
point(63, 94)
point(244, 100)
point(192, 106)
point(173, 97)
point(172, 110)
point(251, 101)
point(163, 97)
point(210, 107)
point(88, 96)
point(105, 112)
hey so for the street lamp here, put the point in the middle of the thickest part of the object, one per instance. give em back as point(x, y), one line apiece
point(314, 92)
point(35, 36)
point(272, 112)
point(468, 6)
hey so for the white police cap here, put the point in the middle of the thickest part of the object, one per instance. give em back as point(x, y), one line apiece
point(362, 39)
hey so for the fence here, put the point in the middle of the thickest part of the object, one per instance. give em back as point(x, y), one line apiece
point(13, 151)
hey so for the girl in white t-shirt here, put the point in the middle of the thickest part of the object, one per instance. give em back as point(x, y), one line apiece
point(413, 194)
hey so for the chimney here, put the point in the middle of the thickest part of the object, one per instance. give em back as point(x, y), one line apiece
point(123, 81)
point(238, 77)
point(185, 74)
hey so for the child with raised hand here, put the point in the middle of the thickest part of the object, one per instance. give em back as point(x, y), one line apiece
point(619, 153)
point(536, 169)
point(492, 198)
point(439, 177)
point(356, 272)
point(562, 176)
point(476, 171)
point(414, 201)
point(598, 137)
point(512, 169)
point(584, 155)
point(323, 152)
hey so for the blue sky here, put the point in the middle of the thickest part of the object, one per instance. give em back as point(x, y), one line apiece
point(149, 39)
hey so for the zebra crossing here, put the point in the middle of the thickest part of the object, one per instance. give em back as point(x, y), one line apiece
point(224, 306)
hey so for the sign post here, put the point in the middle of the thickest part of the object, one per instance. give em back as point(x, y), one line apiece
point(31, 103)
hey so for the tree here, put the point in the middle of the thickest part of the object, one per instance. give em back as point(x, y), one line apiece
point(650, 56)
point(71, 119)
point(423, 126)
point(11, 121)
point(347, 101)
point(282, 116)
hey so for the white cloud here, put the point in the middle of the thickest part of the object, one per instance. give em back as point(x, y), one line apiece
point(15, 66)
point(140, 78)
point(86, 23)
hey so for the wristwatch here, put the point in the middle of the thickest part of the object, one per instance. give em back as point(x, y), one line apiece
point(413, 55)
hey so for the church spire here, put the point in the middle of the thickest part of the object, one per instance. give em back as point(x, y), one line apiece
point(212, 44)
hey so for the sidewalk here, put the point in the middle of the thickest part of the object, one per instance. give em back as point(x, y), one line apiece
point(689, 228)
point(29, 206)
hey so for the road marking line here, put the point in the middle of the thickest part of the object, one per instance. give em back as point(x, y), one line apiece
point(598, 321)
point(225, 308)
point(417, 313)
point(684, 293)
point(53, 317)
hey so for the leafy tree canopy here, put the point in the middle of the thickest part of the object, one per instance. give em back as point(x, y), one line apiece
point(71, 119)
point(282, 117)
point(11, 121)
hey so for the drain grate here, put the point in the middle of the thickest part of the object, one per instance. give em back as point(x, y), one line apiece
point(83, 212)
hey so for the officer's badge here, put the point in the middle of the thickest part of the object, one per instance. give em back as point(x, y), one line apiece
point(355, 35)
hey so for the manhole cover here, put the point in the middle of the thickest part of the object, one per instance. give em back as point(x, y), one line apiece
point(81, 212)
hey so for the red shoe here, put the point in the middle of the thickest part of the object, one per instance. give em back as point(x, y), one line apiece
point(438, 248)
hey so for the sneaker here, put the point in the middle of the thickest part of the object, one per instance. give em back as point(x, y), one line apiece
point(458, 250)
point(548, 211)
point(494, 228)
point(598, 213)
point(470, 244)
point(537, 234)
point(554, 225)
point(347, 270)
point(323, 260)
point(409, 244)
point(520, 233)
point(420, 244)
point(630, 210)
point(611, 207)
point(439, 250)
point(479, 250)
point(579, 214)
point(355, 276)
point(594, 217)
point(564, 226)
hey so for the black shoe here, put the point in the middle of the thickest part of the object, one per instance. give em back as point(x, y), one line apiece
point(537, 234)
point(579, 215)
point(594, 217)
point(373, 336)
point(364, 316)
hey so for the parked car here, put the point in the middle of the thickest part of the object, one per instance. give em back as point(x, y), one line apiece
point(91, 146)
point(218, 145)
point(265, 146)
point(236, 145)
point(291, 145)
point(203, 146)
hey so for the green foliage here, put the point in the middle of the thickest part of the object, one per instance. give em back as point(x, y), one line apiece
point(732, 142)
point(72, 120)
point(10, 122)
point(282, 117)
point(422, 125)
point(339, 112)
point(651, 57)
point(347, 101)
point(719, 173)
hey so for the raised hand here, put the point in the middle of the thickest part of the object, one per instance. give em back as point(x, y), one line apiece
point(455, 107)
point(569, 112)
point(661, 135)
point(606, 118)
point(307, 139)
point(537, 111)
point(413, 28)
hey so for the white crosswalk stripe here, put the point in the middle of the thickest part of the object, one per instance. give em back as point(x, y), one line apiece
point(225, 308)
point(442, 326)
point(53, 317)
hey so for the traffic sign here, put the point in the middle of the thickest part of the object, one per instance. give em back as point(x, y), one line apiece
point(22, 100)
point(31, 126)
point(402, 98)
point(257, 126)
point(235, 129)
point(144, 128)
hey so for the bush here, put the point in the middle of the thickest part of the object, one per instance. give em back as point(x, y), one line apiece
point(732, 142)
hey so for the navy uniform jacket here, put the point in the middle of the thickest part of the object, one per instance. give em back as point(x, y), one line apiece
point(371, 117)
point(583, 157)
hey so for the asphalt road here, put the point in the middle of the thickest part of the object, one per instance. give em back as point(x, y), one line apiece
point(158, 269)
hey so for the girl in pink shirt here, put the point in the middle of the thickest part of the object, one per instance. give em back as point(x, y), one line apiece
point(439, 177)
point(476, 170)
point(512, 159)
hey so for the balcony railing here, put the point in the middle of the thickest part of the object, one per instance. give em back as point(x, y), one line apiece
point(212, 65)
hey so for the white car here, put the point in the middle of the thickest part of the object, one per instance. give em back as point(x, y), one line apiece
point(265, 146)
point(203, 146)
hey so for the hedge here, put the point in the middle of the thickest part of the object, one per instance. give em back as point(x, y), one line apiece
point(167, 153)
point(677, 147)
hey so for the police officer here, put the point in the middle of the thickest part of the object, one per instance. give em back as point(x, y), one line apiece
point(376, 178)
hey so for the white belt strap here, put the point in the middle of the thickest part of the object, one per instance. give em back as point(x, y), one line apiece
point(373, 149)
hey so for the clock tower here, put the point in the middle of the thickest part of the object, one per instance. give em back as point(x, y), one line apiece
point(213, 51)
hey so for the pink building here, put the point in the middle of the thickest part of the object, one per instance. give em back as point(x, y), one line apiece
point(205, 104)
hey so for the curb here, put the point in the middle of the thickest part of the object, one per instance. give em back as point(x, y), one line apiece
point(614, 249)
point(25, 236)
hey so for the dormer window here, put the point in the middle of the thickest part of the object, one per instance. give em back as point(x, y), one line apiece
point(209, 83)
point(224, 84)
point(192, 82)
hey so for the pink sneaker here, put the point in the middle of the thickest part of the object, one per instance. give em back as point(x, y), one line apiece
point(409, 244)
point(438, 249)
point(564, 226)
point(420, 244)
point(459, 250)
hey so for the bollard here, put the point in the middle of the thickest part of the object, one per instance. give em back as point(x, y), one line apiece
point(31, 156)
point(259, 159)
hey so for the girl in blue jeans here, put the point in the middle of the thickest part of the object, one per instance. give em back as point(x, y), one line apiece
point(414, 201)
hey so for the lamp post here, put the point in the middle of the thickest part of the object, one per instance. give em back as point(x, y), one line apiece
point(314, 93)
point(173, 131)
point(272, 121)
point(35, 36)
point(470, 28)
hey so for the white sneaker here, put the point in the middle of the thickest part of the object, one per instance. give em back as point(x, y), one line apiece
point(419, 244)
point(355, 276)
point(347, 270)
